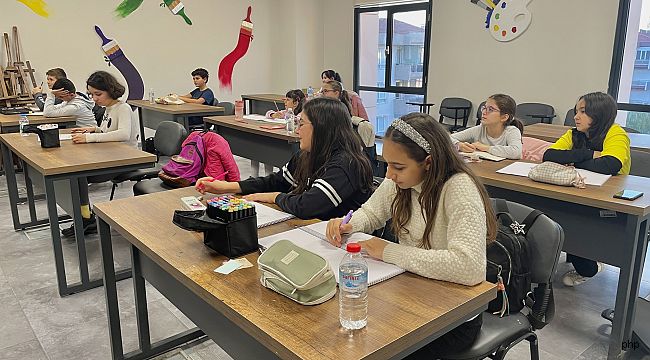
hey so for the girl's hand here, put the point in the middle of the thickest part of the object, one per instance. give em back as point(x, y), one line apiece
point(83, 130)
point(263, 197)
point(480, 146)
point(276, 115)
point(374, 247)
point(335, 230)
point(596, 154)
point(78, 138)
point(466, 147)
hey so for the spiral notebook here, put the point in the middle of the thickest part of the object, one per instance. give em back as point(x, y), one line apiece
point(312, 238)
point(267, 216)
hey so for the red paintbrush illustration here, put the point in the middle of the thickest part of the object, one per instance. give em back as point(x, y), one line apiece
point(227, 64)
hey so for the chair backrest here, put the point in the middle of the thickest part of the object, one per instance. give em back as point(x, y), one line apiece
point(525, 110)
point(169, 137)
point(455, 102)
point(215, 102)
point(228, 107)
point(640, 163)
point(545, 239)
point(478, 113)
point(569, 118)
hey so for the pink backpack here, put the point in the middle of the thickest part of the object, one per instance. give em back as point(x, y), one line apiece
point(184, 169)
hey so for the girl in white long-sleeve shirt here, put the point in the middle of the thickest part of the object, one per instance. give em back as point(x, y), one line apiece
point(117, 125)
point(440, 213)
point(499, 132)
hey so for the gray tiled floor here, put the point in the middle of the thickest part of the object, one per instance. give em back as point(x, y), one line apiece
point(35, 323)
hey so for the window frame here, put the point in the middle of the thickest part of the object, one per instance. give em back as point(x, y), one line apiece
point(390, 11)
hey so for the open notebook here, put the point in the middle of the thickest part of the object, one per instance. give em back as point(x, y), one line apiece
point(312, 238)
point(483, 155)
point(267, 216)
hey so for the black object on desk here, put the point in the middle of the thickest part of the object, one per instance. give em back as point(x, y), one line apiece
point(423, 106)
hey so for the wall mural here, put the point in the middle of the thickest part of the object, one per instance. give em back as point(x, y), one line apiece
point(39, 7)
point(506, 19)
point(227, 64)
point(115, 55)
point(126, 7)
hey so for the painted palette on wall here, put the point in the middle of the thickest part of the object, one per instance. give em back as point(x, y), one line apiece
point(126, 7)
point(115, 56)
point(39, 7)
point(506, 19)
point(227, 64)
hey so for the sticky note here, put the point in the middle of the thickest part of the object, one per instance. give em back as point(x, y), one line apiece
point(227, 268)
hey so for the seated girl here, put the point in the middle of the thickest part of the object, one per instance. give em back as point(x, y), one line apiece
point(440, 212)
point(595, 144)
point(329, 176)
point(294, 99)
point(499, 132)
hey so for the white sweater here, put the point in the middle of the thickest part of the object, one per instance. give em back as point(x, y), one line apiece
point(508, 145)
point(118, 124)
point(457, 240)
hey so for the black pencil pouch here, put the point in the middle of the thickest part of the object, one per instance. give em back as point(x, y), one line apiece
point(229, 238)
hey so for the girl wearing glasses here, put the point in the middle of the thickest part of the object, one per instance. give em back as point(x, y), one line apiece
point(294, 99)
point(596, 144)
point(440, 212)
point(356, 105)
point(499, 132)
point(328, 177)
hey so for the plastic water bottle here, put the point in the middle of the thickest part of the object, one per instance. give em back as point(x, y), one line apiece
point(289, 118)
point(152, 96)
point(22, 122)
point(353, 289)
point(310, 93)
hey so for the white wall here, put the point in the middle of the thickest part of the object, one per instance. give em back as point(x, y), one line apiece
point(163, 48)
point(565, 53)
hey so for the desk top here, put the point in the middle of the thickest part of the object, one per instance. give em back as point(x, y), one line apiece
point(186, 108)
point(595, 196)
point(251, 126)
point(552, 132)
point(402, 311)
point(71, 158)
point(264, 97)
point(12, 120)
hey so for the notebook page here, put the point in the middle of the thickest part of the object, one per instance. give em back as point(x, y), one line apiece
point(268, 216)
point(377, 270)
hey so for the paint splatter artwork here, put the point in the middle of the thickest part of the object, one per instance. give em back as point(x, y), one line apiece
point(127, 7)
point(227, 64)
point(506, 20)
point(39, 7)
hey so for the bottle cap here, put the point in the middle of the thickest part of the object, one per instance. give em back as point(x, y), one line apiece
point(353, 248)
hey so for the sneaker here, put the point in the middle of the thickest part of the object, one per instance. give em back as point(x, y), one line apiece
point(90, 227)
point(572, 278)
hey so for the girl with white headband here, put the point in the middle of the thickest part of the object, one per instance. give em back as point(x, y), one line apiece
point(441, 215)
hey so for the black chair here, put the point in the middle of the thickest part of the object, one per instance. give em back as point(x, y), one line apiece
point(630, 130)
point(569, 118)
point(532, 113)
point(455, 109)
point(228, 107)
point(424, 107)
point(498, 335)
point(479, 113)
point(167, 142)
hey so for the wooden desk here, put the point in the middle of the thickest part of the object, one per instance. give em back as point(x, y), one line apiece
point(261, 103)
point(62, 167)
point(596, 226)
point(249, 140)
point(9, 123)
point(178, 113)
point(251, 322)
point(551, 132)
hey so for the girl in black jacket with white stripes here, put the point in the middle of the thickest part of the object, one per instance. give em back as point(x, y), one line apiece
point(329, 176)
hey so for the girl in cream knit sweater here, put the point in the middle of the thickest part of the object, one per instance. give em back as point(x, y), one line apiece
point(440, 213)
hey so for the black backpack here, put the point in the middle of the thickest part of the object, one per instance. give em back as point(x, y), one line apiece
point(508, 261)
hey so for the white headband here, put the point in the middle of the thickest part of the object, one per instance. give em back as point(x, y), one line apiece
point(408, 131)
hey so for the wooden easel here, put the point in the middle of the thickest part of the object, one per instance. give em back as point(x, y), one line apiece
point(14, 87)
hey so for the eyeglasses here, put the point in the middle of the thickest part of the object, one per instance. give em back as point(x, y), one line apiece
point(325, 91)
point(489, 109)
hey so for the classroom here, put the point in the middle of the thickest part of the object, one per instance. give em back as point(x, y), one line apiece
point(325, 179)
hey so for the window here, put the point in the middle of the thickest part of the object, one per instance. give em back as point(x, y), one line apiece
point(391, 59)
point(630, 74)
